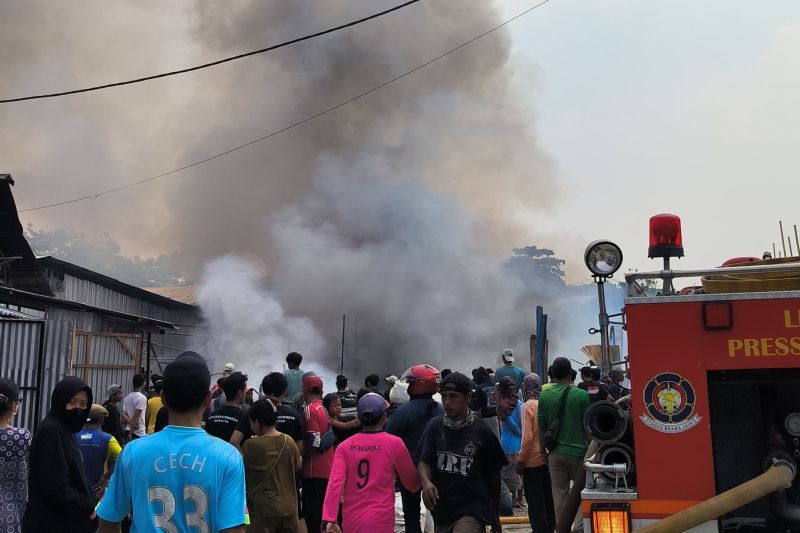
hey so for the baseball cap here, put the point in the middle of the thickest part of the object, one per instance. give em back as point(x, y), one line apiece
point(312, 383)
point(97, 411)
point(187, 377)
point(371, 407)
point(457, 382)
point(507, 355)
point(113, 389)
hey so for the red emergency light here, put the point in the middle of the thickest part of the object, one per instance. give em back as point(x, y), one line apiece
point(665, 236)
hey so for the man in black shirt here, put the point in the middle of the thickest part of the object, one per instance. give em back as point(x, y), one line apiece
point(274, 387)
point(460, 459)
point(616, 389)
point(346, 396)
point(370, 385)
point(112, 425)
point(590, 376)
point(222, 422)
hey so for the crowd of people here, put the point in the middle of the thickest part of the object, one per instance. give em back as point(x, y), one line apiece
point(177, 454)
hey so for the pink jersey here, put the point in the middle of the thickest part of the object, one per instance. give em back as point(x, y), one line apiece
point(364, 470)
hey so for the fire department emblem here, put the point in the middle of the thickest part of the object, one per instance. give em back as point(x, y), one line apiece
point(669, 402)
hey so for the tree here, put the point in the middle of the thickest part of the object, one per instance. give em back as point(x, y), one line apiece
point(538, 268)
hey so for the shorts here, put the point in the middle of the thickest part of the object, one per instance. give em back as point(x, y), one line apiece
point(465, 524)
point(272, 524)
point(509, 473)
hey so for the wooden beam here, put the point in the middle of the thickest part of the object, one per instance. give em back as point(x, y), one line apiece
point(126, 347)
point(99, 365)
point(87, 358)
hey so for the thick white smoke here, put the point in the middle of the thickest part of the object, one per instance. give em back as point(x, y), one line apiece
point(250, 327)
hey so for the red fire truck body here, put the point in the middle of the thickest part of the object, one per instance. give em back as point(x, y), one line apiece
point(715, 392)
point(674, 343)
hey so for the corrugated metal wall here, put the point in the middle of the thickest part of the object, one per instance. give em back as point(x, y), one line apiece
point(84, 291)
point(19, 346)
point(19, 353)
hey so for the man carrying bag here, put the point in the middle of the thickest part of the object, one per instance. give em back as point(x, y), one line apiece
point(561, 411)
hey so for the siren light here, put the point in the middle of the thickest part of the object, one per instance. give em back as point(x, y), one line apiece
point(665, 236)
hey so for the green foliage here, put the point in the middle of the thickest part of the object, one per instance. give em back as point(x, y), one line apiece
point(536, 266)
point(102, 254)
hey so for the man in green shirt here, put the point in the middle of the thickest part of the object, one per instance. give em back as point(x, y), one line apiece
point(565, 460)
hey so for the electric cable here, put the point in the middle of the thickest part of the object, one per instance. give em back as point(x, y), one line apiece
point(96, 195)
point(212, 63)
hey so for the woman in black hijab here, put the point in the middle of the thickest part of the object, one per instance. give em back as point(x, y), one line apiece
point(59, 499)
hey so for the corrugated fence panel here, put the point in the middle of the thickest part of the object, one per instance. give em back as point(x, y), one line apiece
point(109, 351)
point(19, 353)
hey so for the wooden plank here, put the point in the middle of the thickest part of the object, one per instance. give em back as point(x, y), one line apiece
point(126, 347)
point(105, 334)
point(98, 365)
point(87, 358)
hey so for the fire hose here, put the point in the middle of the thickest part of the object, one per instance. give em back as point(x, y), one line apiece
point(779, 476)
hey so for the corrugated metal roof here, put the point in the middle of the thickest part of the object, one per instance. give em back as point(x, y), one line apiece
point(181, 293)
point(63, 267)
point(5, 312)
point(24, 272)
point(37, 301)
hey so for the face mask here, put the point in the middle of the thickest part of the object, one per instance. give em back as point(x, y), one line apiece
point(75, 418)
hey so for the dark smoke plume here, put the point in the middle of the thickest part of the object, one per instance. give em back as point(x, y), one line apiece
point(397, 209)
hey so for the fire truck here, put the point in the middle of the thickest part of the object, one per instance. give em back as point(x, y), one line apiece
point(708, 439)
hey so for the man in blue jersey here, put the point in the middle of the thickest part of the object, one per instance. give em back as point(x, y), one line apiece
point(180, 479)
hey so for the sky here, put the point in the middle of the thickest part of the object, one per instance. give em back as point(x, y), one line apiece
point(641, 107)
point(682, 107)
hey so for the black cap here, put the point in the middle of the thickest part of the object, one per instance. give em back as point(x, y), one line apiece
point(187, 375)
point(561, 367)
point(457, 382)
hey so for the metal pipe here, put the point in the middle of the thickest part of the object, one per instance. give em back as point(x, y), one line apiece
point(796, 240)
point(791, 252)
point(341, 363)
point(37, 409)
point(758, 269)
point(779, 476)
point(605, 358)
point(783, 240)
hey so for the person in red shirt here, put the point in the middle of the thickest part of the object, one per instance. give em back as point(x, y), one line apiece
point(317, 453)
point(363, 475)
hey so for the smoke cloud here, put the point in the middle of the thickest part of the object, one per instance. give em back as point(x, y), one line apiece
point(396, 210)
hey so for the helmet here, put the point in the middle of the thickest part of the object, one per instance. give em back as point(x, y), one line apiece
point(422, 379)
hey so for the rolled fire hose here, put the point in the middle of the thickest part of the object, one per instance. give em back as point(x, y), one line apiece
point(606, 422)
point(778, 476)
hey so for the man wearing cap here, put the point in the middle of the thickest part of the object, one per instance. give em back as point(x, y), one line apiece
point(317, 452)
point(363, 474)
point(460, 459)
point(180, 478)
point(98, 449)
point(111, 425)
point(565, 459)
point(508, 370)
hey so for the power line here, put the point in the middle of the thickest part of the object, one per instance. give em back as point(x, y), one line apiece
point(211, 64)
point(290, 126)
